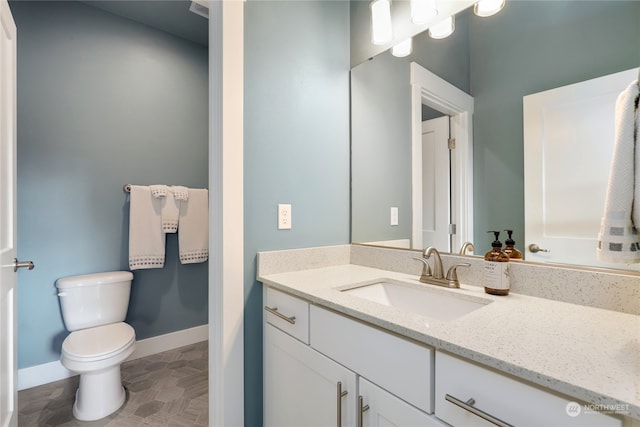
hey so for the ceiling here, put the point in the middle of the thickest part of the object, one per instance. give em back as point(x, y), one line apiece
point(171, 16)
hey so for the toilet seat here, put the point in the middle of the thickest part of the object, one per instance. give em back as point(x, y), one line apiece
point(102, 342)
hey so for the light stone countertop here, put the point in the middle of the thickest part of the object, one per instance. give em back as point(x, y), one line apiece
point(587, 353)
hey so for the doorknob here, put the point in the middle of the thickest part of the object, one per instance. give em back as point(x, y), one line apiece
point(22, 264)
point(535, 248)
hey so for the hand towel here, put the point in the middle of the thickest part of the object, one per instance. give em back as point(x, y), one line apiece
point(170, 213)
point(618, 239)
point(168, 207)
point(146, 240)
point(159, 191)
point(180, 193)
point(193, 227)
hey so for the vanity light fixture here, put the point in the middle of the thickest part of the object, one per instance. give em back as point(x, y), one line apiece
point(200, 7)
point(442, 29)
point(423, 11)
point(402, 49)
point(381, 32)
point(486, 8)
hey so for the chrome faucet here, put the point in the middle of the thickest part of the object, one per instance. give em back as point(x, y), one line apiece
point(437, 278)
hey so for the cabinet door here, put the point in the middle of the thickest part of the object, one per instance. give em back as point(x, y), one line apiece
point(301, 385)
point(378, 408)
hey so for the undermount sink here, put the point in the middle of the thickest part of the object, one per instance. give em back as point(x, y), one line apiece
point(433, 303)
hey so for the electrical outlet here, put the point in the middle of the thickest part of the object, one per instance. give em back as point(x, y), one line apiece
point(394, 216)
point(284, 217)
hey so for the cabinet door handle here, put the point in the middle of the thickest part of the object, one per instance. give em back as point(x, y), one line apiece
point(340, 393)
point(468, 406)
point(362, 408)
point(274, 310)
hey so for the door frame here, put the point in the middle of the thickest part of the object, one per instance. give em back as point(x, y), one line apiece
point(435, 92)
point(226, 237)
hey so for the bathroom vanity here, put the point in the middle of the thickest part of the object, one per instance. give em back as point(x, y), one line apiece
point(337, 353)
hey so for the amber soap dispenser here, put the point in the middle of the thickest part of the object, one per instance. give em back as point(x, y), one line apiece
point(496, 268)
point(510, 247)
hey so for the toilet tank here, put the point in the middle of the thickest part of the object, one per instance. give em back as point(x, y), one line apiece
point(94, 299)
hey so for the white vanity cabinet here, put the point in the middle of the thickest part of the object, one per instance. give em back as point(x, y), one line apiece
point(348, 366)
point(503, 398)
point(322, 368)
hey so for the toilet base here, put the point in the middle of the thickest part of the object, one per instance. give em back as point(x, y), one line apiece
point(99, 394)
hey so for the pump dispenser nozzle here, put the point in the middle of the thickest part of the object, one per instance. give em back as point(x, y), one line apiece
point(509, 240)
point(496, 243)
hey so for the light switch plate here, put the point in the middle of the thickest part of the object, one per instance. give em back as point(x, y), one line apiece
point(394, 216)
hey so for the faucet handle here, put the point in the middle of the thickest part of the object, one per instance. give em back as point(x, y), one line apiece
point(452, 273)
point(426, 269)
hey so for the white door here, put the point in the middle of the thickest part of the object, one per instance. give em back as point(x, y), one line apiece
point(301, 385)
point(8, 369)
point(435, 204)
point(568, 145)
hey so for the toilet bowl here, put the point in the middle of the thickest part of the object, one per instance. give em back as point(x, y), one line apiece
point(96, 354)
point(94, 307)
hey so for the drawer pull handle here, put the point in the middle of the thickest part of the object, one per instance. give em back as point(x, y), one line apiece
point(275, 311)
point(339, 395)
point(468, 406)
point(362, 408)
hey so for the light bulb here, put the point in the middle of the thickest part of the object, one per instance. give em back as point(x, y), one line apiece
point(404, 48)
point(381, 22)
point(486, 8)
point(442, 29)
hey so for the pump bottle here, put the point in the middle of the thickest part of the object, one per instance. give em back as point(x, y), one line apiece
point(496, 268)
point(510, 247)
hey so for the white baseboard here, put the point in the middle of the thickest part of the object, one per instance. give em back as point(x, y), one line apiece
point(53, 371)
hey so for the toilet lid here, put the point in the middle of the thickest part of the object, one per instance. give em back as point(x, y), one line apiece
point(98, 341)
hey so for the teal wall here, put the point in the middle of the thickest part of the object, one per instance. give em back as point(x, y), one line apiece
point(523, 50)
point(102, 101)
point(381, 148)
point(296, 144)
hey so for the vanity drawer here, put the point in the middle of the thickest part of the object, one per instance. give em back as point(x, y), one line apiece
point(287, 313)
point(510, 400)
point(399, 366)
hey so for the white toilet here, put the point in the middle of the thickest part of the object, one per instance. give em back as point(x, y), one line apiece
point(94, 307)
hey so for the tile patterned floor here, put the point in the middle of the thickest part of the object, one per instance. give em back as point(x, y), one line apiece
point(165, 389)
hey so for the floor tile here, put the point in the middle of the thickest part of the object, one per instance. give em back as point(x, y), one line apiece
point(165, 389)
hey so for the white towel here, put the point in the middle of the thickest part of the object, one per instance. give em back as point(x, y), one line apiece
point(169, 207)
point(180, 193)
point(193, 228)
point(158, 191)
point(146, 240)
point(618, 240)
point(170, 213)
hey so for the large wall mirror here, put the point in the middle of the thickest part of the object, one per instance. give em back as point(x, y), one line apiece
point(527, 48)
